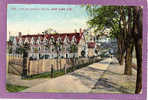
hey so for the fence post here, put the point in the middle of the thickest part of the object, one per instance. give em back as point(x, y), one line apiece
point(52, 74)
point(65, 69)
point(60, 65)
point(24, 72)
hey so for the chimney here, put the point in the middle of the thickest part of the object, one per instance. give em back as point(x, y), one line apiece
point(80, 30)
point(20, 34)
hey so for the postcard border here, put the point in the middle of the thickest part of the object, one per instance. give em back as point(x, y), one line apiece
point(3, 28)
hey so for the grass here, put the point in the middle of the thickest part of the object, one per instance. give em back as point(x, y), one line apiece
point(42, 75)
point(46, 75)
point(58, 73)
point(14, 88)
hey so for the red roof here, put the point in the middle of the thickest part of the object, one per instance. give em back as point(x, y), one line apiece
point(78, 36)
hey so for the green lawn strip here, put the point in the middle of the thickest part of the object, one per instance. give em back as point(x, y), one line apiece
point(41, 75)
point(45, 75)
point(59, 73)
point(15, 88)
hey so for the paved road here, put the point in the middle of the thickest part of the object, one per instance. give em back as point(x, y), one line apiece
point(16, 80)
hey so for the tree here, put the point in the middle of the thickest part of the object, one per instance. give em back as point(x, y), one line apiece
point(137, 34)
point(26, 46)
point(126, 25)
point(129, 44)
point(110, 17)
point(50, 30)
point(73, 48)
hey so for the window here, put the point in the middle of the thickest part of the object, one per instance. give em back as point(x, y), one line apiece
point(66, 55)
point(32, 49)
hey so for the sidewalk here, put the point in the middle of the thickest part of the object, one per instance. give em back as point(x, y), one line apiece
point(114, 81)
point(16, 80)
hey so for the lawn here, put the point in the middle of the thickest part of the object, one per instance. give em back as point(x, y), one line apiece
point(14, 88)
point(46, 75)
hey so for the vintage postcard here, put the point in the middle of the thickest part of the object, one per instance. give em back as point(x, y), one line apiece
point(74, 50)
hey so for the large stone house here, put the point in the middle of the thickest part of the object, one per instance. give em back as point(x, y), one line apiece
point(61, 45)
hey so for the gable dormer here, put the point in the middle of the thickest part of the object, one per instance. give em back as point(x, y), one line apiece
point(32, 41)
point(20, 41)
point(74, 39)
point(52, 40)
point(38, 41)
point(67, 39)
point(14, 41)
point(59, 39)
point(45, 41)
point(26, 40)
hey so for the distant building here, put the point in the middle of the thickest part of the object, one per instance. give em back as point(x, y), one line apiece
point(105, 42)
point(62, 45)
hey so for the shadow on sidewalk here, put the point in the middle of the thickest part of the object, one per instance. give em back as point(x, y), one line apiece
point(104, 83)
point(81, 76)
point(93, 69)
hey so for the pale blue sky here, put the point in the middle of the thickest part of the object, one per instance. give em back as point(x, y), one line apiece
point(36, 21)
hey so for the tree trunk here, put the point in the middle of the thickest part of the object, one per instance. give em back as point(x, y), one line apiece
point(129, 46)
point(128, 60)
point(120, 51)
point(57, 62)
point(137, 33)
point(120, 39)
point(121, 59)
point(139, 65)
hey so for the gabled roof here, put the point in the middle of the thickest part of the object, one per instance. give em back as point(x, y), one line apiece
point(78, 36)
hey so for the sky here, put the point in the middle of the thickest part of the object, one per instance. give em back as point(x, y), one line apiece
point(35, 18)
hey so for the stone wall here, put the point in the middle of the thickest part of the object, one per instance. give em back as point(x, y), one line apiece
point(44, 65)
point(41, 66)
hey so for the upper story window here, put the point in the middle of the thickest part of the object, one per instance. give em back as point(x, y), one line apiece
point(52, 40)
point(65, 40)
point(46, 48)
point(32, 49)
point(20, 41)
point(14, 42)
point(32, 41)
point(39, 49)
point(38, 41)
